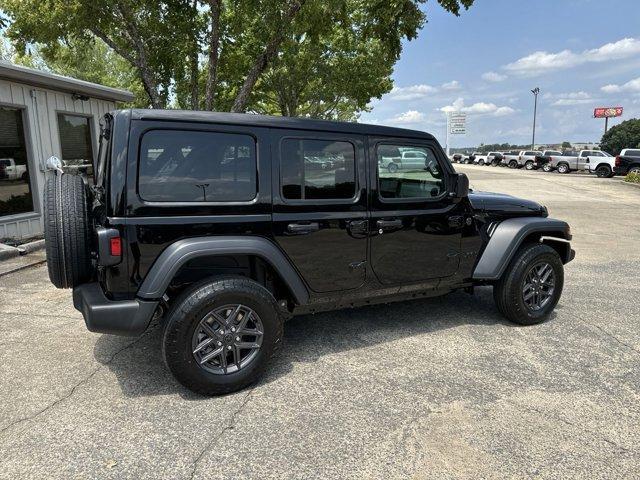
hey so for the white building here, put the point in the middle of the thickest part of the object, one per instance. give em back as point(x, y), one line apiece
point(42, 114)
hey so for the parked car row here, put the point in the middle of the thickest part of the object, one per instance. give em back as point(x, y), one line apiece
point(601, 163)
point(10, 170)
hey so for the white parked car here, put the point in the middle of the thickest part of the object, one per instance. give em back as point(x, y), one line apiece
point(11, 171)
point(593, 161)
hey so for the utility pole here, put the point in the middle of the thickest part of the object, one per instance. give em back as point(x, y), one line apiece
point(535, 92)
point(448, 115)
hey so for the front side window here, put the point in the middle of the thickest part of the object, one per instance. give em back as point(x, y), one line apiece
point(15, 188)
point(317, 169)
point(402, 179)
point(75, 143)
point(192, 166)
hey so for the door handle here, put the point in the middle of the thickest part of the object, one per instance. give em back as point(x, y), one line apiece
point(397, 223)
point(302, 228)
point(358, 225)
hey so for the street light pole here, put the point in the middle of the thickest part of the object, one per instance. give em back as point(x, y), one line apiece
point(535, 92)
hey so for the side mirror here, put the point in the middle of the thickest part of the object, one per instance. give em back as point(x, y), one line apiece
point(460, 186)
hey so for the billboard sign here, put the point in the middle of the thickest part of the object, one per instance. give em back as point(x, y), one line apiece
point(607, 112)
point(457, 123)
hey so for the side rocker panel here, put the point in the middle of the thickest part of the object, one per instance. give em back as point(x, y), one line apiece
point(508, 237)
point(177, 254)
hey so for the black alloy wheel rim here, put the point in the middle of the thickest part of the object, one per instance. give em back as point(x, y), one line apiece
point(227, 339)
point(539, 286)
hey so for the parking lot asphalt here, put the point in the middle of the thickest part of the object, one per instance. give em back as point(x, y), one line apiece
point(430, 389)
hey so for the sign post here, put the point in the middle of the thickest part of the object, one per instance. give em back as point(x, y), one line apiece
point(606, 113)
point(456, 125)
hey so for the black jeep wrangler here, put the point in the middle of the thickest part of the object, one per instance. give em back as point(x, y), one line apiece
point(224, 225)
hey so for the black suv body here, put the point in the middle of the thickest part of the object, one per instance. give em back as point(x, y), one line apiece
point(214, 221)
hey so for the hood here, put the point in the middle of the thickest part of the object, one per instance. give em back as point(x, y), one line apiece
point(499, 204)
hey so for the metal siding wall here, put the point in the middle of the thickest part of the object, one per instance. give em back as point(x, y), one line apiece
point(43, 140)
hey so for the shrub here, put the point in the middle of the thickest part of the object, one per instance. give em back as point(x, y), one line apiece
point(632, 177)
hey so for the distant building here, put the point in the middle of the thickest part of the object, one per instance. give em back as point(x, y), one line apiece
point(42, 114)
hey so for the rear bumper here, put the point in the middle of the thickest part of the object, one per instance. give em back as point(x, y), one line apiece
point(101, 315)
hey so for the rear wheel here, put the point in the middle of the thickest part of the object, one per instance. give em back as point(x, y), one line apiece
point(603, 171)
point(220, 335)
point(563, 168)
point(67, 230)
point(531, 286)
point(546, 168)
point(393, 167)
point(528, 165)
point(513, 164)
point(635, 170)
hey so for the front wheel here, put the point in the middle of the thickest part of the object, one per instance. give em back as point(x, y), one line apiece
point(220, 335)
point(531, 285)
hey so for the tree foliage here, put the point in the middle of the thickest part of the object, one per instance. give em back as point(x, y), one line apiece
point(623, 135)
point(320, 58)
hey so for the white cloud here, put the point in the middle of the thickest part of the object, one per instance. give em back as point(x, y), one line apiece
point(479, 108)
point(631, 86)
point(569, 99)
point(452, 85)
point(493, 77)
point(412, 92)
point(410, 116)
point(540, 62)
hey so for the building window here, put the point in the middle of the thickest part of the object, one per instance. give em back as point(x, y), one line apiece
point(75, 143)
point(15, 188)
point(317, 169)
point(191, 166)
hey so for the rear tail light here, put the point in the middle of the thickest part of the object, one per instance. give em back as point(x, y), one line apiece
point(618, 161)
point(115, 246)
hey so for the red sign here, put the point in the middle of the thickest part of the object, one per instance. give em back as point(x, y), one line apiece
point(604, 112)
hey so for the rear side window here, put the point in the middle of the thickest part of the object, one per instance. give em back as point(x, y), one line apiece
point(317, 169)
point(191, 166)
point(632, 153)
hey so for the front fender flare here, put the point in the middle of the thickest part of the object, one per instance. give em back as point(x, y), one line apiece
point(507, 238)
point(178, 253)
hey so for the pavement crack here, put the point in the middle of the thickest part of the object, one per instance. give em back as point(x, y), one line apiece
point(73, 389)
point(230, 425)
point(611, 335)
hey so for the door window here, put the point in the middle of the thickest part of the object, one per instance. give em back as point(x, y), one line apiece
point(193, 166)
point(75, 143)
point(317, 169)
point(15, 188)
point(398, 179)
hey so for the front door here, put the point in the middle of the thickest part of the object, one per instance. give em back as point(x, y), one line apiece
point(320, 206)
point(416, 226)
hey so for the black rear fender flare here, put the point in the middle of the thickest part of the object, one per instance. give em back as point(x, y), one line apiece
point(179, 253)
point(509, 236)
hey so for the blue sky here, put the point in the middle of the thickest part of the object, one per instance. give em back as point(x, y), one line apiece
point(581, 53)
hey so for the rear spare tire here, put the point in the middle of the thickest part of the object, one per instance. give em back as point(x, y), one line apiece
point(66, 230)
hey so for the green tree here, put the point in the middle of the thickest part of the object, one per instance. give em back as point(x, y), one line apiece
point(623, 135)
point(324, 58)
point(566, 145)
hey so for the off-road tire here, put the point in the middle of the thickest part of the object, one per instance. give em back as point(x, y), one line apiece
point(187, 311)
point(67, 230)
point(507, 293)
point(603, 171)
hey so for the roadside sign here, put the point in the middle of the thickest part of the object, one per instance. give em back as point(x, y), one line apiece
point(607, 112)
point(457, 123)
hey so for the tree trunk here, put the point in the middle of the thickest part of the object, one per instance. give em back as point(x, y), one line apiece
point(146, 76)
point(214, 47)
point(262, 61)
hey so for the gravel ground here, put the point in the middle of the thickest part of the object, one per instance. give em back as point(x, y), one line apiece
point(433, 389)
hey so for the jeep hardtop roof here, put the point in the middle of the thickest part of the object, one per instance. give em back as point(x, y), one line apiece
point(268, 121)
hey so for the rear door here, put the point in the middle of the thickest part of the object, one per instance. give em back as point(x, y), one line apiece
point(320, 206)
point(416, 227)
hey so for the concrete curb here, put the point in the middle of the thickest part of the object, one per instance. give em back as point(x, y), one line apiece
point(31, 246)
point(7, 252)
